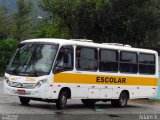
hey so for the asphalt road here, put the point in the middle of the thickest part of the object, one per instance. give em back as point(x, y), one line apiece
point(10, 108)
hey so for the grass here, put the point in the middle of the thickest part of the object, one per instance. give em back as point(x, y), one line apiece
point(1, 75)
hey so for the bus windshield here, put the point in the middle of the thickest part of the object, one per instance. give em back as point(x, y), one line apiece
point(32, 59)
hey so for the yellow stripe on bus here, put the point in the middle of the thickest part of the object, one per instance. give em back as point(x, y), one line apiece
point(104, 79)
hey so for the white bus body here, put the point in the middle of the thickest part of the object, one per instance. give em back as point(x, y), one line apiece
point(94, 72)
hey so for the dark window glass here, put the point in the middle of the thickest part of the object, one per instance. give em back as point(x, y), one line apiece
point(65, 59)
point(108, 60)
point(128, 62)
point(128, 57)
point(146, 58)
point(146, 63)
point(86, 58)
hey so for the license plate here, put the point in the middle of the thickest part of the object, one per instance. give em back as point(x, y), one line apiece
point(21, 92)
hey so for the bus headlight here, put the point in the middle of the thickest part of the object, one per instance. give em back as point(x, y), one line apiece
point(7, 81)
point(39, 83)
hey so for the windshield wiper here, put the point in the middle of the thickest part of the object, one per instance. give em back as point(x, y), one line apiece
point(35, 74)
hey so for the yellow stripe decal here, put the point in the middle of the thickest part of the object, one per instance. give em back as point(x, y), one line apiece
point(104, 79)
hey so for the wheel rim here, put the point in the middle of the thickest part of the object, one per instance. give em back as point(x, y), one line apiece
point(123, 99)
point(64, 100)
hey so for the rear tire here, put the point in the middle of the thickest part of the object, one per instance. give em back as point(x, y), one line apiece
point(62, 100)
point(24, 100)
point(88, 102)
point(122, 101)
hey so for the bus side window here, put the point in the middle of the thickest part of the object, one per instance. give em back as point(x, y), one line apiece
point(86, 58)
point(65, 59)
point(128, 62)
point(108, 60)
point(146, 63)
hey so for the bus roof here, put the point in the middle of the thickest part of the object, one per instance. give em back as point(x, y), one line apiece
point(89, 44)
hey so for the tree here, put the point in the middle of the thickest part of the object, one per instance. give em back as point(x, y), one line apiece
point(137, 21)
point(134, 22)
point(57, 29)
point(4, 22)
point(7, 48)
point(22, 20)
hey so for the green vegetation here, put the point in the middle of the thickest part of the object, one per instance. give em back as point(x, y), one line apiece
point(16, 24)
point(134, 22)
point(7, 48)
point(22, 21)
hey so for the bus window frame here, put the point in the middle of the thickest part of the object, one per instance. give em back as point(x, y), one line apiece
point(137, 58)
point(97, 60)
point(54, 71)
point(147, 64)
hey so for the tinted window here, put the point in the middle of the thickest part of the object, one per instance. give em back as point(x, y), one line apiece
point(128, 62)
point(146, 63)
point(146, 59)
point(128, 57)
point(86, 58)
point(108, 60)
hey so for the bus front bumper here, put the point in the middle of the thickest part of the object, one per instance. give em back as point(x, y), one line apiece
point(41, 92)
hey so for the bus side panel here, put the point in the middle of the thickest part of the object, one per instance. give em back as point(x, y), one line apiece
point(99, 86)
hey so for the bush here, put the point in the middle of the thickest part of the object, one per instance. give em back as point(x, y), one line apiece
point(7, 48)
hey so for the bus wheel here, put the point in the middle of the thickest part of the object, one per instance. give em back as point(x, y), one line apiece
point(62, 100)
point(122, 101)
point(24, 100)
point(88, 102)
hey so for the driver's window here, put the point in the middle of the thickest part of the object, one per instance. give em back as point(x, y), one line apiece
point(65, 59)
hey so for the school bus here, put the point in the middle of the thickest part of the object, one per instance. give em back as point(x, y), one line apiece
point(54, 70)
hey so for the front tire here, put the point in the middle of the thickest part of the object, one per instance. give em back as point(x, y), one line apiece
point(24, 100)
point(62, 100)
point(122, 101)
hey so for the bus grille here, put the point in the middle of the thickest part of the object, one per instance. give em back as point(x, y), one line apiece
point(22, 85)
